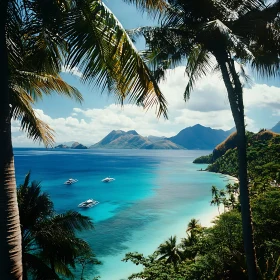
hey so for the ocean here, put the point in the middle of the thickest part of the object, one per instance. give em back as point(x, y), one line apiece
point(154, 196)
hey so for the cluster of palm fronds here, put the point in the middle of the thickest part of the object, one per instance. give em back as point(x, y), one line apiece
point(49, 241)
point(44, 36)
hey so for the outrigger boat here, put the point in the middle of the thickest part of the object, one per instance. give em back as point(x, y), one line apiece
point(70, 181)
point(108, 180)
point(88, 203)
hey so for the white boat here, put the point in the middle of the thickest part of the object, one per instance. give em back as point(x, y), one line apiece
point(70, 181)
point(88, 203)
point(108, 180)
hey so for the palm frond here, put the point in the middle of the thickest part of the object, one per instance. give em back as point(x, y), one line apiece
point(38, 268)
point(104, 53)
point(135, 33)
point(43, 38)
point(22, 110)
point(198, 65)
point(38, 84)
point(247, 79)
point(216, 33)
point(70, 221)
point(151, 6)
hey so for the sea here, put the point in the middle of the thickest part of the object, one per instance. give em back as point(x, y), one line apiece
point(154, 196)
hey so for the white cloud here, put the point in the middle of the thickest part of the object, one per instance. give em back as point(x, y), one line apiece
point(209, 94)
point(208, 106)
point(262, 95)
point(74, 70)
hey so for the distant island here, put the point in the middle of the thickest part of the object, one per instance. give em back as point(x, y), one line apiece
point(75, 145)
point(197, 137)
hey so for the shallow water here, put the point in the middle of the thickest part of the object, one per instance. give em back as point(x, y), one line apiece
point(154, 196)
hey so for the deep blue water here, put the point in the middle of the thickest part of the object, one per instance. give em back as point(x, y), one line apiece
point(154, 196)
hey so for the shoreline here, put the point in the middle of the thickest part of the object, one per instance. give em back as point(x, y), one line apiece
point(122, 270)
point(156, 234)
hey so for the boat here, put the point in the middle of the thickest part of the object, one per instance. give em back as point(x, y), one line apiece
point(70, 181)
point(88, 203)
point(108, 180)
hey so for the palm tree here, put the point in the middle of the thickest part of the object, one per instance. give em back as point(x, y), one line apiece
point(216, 200)
point(214, 191)
point(217, 197)
point(188, 244)
point(170, 251)
point(211, 35)
point(83, 34)
point(26, 85)
point(194, 226)
point(49, 242)
point(87, 259)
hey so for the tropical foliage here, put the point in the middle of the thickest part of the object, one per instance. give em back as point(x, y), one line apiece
point(204, 159)
point(50, 246)
point(262, 156)
point(36, 39)
point(216, 36)
point(217, 252)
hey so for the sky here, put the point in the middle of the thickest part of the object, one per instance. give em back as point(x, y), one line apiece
point(99, 113)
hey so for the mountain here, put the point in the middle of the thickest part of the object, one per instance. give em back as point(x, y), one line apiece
point(199, 137)
point(118, 139)
point(74, 145)
point(154, 139)
point(62, 146)
point(276, 128)
point(163, 145)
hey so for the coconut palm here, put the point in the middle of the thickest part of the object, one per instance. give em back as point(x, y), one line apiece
point(207, 36)
point(194, 225)
point(217, 197)
point(82, 34)
point(170, 251)
point(214, 191)
point(49, 242)
point(216, 200)
point(189, 245)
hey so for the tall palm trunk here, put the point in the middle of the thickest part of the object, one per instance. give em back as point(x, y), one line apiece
point(10, 236)
point(235, 96)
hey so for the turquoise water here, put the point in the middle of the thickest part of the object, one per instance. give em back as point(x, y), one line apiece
point(154, 196)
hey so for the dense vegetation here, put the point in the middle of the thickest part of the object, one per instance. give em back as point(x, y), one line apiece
point(38, 38)
point(217, 252)
point(50, 245)
point(263, 150)
point(204, 159)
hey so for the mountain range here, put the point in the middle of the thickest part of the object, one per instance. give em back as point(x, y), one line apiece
point(118, 139)
point(196, 137)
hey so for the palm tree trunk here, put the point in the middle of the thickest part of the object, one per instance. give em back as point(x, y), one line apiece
point(10, 236)
point(234, 89)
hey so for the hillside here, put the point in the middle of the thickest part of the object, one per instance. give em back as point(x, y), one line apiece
point(263, 152)
point(118, 139)
point(199, 137)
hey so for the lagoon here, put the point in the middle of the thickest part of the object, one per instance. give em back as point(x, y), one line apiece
point(154, 196)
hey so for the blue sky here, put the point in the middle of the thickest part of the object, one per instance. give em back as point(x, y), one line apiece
point(90, 121)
